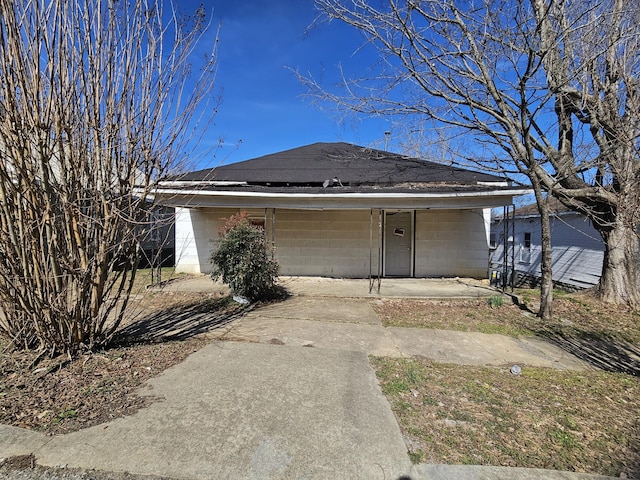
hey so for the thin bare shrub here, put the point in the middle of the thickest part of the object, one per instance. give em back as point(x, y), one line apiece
point(97, 103)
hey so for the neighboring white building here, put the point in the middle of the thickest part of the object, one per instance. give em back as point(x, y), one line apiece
point(340, 210)
point(577, 247)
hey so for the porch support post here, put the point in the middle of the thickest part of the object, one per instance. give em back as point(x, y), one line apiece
point(378, 278)
point(505, 247)
point(513, 245)
point(273, 233)
point(380, 240)
point(370, 249)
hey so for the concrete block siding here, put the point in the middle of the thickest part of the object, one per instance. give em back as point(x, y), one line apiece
point(329, 243)
point(196, 230)
point(337, 243)
point(451, 243)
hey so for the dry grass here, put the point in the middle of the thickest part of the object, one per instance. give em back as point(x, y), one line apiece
point(583, 421)
point(581, 312)
point(61, 396)
point(463, 315)
point(576, 421)
point(574, 313)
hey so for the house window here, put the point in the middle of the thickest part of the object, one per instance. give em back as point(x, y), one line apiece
point(155, 227)
point(493, 244)
point(525, 248)
point(257, 222)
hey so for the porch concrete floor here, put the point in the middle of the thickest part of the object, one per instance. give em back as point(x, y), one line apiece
point(349, 287)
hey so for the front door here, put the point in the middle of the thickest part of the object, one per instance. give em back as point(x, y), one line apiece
point(398, 244)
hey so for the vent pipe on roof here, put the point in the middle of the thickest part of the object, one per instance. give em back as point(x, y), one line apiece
point(330, 183)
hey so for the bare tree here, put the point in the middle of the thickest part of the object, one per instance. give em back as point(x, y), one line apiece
point(549, 85)
point(97, 102)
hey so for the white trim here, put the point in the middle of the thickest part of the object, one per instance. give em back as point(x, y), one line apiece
point(214, 193)
point(494, 184)
point(215, 183)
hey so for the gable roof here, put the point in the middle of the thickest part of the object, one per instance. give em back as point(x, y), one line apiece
point(332, 164)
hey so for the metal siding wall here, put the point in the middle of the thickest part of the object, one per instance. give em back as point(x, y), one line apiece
point(577, 249)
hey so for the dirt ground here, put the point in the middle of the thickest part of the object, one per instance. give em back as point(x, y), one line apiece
point(58, 395)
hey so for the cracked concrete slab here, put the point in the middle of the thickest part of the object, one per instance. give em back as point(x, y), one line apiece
point(242, 410)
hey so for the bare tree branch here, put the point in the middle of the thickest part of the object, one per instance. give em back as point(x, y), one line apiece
point(97, 101)
point(550, 87)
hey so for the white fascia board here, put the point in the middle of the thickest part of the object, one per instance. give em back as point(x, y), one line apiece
point(494, 184)
point(218, 193)
point(212, 183)
point(199, 198)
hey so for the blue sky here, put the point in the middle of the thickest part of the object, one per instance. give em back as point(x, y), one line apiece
point(263, 106)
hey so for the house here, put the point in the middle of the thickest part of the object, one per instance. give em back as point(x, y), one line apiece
point(341, 210)
point(577, 247)
point(157, 238)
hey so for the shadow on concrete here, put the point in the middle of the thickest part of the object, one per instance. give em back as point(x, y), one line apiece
point(182, 321)
point(604, 353)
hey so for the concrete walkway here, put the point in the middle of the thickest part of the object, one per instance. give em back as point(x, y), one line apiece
point(258, 404)
point(353, 326)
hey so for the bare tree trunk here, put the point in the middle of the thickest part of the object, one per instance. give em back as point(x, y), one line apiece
point(621, 265)
point(546, 280)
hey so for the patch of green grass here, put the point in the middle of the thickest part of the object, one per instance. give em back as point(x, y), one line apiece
point(145, 275)
point(569, 423)
point(508, 330)
point(564, 438)
point(64, 414)
point(495, 301)
point(396, 386)
point(414, 374)
point(429, 401)
point(416, 456)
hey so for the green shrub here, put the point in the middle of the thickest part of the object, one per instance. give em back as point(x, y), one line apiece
point(243, 260)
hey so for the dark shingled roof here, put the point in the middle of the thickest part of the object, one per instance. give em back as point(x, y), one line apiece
point(555, 208)
point(351, 164)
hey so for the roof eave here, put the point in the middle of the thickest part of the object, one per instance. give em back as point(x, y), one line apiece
point(417, 200)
